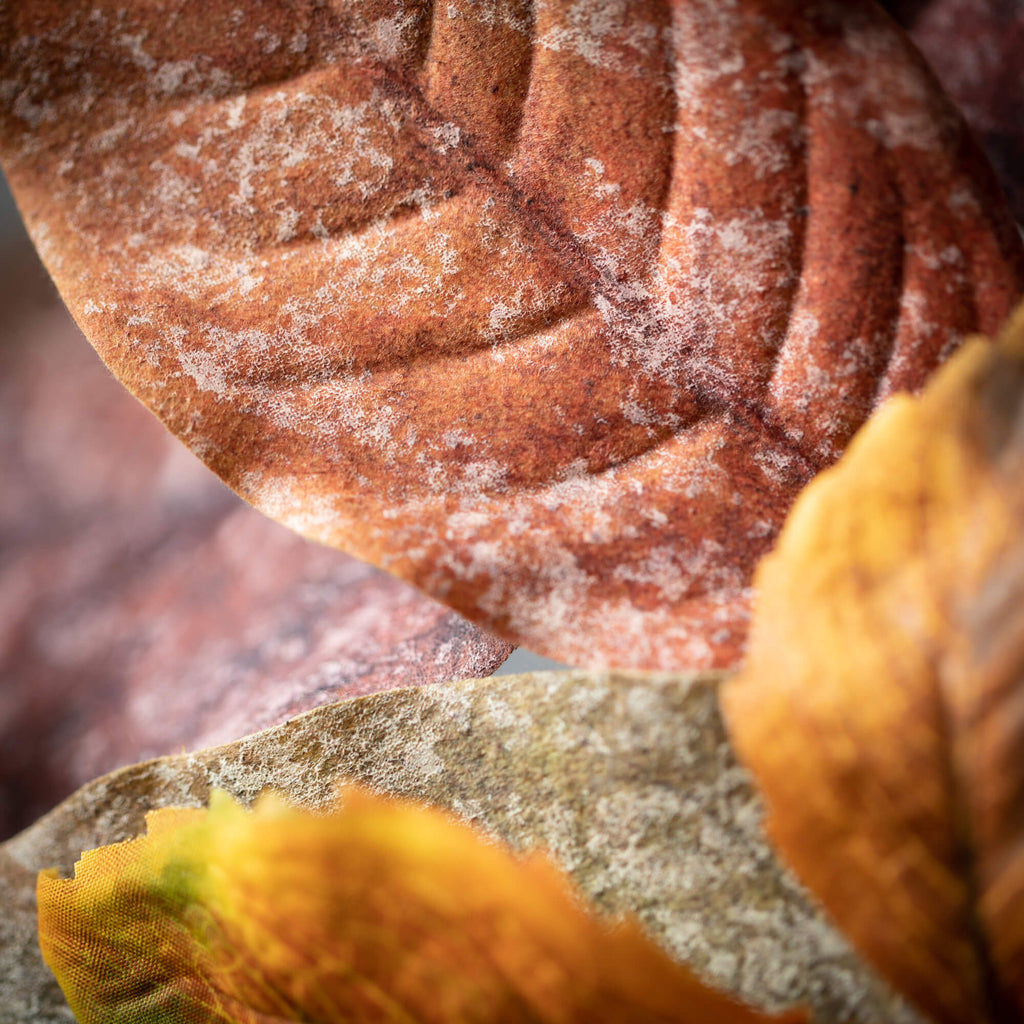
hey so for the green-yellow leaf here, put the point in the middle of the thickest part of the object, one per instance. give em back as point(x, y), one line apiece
point(381, 910)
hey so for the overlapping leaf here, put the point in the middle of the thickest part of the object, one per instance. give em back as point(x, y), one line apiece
point(143, 608)
point(628, 779)
point(975, 50)
point(881, 706)
point(549, 308)
point(378, 911)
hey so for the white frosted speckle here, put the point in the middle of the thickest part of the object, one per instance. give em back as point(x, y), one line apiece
point(270, 41)
point(388, 34)
point(915, 129)
point(485, 476)
point(292, 501)
point(133, 44)
point(492, 13)
point(206, 370)
point(106, 140)
point(447, 135)
point(767, 140)
point(233, 110)
point(169, 77)
point(33, 114)
point(598, 31)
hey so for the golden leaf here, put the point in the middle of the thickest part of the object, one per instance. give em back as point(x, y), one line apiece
point(548, 308)
point(381, 910)
point(881, 707)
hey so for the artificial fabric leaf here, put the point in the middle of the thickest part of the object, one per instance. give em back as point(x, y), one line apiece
point(628, 779)
point(378, 910)
point(881, 706)
point(548, 308)
point(145, 609)
point(975, 48)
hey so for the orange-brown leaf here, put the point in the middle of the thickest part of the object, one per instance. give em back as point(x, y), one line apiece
point(882, 708)
point(380, 910)
point(549, 308)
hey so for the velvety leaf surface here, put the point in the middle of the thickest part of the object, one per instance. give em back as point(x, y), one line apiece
point(628, 779)
point(379, 910)
point(975, 47)
point(881, 707)
point(549, 308)
point(143, 608)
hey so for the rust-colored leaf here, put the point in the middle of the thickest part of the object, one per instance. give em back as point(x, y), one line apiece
point(881, 707)
point(550, 308)
point(380, 910)
point(143, 608)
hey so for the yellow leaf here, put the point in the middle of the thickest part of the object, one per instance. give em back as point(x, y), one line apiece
point(881, 707)
point(381, 910)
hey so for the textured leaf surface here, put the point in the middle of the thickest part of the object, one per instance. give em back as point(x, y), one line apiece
point(379, 910)
point(975, 48)
point(549, 308)
point(626, 778)
point(143, 608)
point(881, 707)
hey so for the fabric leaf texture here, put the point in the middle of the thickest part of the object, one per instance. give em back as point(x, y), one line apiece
point(380, 910)
point(881, 707)
point(550, 308)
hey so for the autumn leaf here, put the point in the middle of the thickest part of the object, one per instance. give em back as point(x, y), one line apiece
point(880, 708)
point(144, 609)
point(626, 778)
point(975, 50)
point(381, 910)
point(549, 309)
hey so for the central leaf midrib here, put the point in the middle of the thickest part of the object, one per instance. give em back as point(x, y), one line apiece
point(535, 210)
